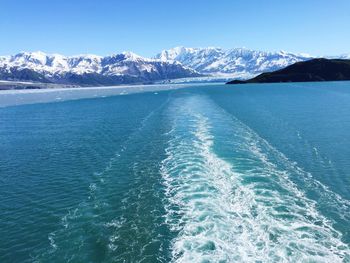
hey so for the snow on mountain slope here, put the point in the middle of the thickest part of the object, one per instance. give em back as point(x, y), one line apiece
point(236, 62)
point(52, 64)
point(126, 67)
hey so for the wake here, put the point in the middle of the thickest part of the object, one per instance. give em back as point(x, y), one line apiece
point(243, 208)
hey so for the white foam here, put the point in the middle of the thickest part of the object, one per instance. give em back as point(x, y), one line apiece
point(219, 215)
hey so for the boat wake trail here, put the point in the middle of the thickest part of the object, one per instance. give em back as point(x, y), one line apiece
point(91, 229)
point(227, 201)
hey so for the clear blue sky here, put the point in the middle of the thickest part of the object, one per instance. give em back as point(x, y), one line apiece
point(319, 27)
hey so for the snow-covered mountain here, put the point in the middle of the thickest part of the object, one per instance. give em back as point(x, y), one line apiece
point(235, 63)
point(126, 67)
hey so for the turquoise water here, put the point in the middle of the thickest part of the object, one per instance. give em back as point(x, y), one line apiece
point(247, 173)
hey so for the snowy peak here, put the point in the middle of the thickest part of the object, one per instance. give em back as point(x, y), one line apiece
point(130, 56)
point(123, 57)
point(126, 67)
point(82, 64)
point(183, 53)
point(236, 62)
point(51, 64)
point(38, 58)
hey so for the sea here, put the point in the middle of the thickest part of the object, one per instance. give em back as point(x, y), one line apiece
point(176, 173)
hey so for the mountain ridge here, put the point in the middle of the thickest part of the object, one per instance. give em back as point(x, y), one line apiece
point(129, 68)
point(122, 68)
point(235, 62)
point(319, 69)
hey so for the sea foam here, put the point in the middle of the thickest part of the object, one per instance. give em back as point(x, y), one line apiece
point(222, 212)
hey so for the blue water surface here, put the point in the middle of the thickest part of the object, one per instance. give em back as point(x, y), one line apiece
point(216, 173)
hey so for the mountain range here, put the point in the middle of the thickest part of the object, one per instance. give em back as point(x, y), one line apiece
point(90, 70)
point(233, 63)
point(127, 67)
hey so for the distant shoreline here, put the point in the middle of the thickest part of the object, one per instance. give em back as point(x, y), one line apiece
point(14, 97)
point(23, 85)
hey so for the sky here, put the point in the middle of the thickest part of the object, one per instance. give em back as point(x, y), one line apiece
point(104, 27)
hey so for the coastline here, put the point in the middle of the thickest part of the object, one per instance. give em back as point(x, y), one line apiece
point(16, 97)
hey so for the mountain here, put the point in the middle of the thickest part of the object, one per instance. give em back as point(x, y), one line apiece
point(236, 62)
point(122, 68)
point(320, 69)
point(125, 68)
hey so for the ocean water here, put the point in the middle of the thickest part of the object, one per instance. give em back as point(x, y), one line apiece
point(246, 173)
